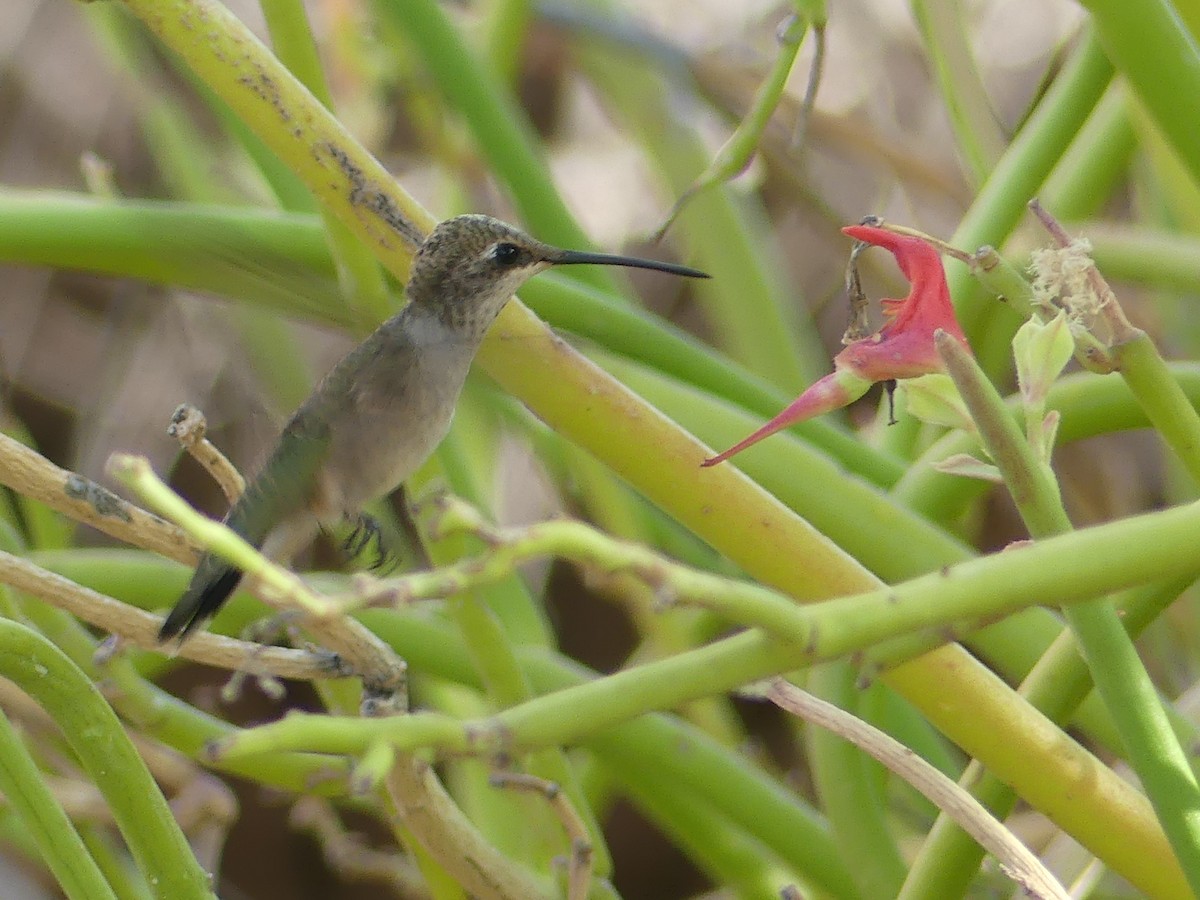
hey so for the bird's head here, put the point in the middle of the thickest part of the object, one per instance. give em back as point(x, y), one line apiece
point(470, 265)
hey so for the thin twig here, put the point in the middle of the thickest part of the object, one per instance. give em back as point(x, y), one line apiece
point(346, 854)
point(949, 249)
point(188, 426)
point(32, 475)
point(747, 602)
point(809, 102)
point(140, 628)
point(579, 867)
point(1015, 858)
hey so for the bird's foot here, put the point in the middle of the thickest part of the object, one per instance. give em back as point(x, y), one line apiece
point(367, 529)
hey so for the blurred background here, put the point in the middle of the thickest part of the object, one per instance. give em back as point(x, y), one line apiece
point(92, 364)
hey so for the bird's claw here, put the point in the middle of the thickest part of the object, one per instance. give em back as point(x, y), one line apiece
point(366, 529)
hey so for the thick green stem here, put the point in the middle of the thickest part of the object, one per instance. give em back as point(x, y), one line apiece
point(45, 822)
point(1149, 42)
point(102, 747)
point(998, 208)
point(1159, 394)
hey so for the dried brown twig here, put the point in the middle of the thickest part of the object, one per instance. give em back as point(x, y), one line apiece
point(32, 475)
point(188, 426)
point(579, 864)
point(28, 473)
point(140, 628)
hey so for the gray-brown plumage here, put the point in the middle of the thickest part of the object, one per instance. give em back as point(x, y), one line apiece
point(381, 411)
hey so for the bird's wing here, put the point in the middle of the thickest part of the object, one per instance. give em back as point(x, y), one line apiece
point(286, 482)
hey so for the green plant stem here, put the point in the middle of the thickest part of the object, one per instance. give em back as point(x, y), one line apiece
point(361, 280)
point(1056, 685)
point(114, 862)
point(505, 29)
point(977, 133)
point(1117, 671)
point(738, 151)
point(730, 857)
point(45, 821)
point(850, 793)
point(519, 612)
point(1159, 394)
point(1157, 258)
point(101, 745)
point(998, 207)
point(749, 307)
point(275, 260)
point(1096, 161)
point(1154, 50)
point(502, 131)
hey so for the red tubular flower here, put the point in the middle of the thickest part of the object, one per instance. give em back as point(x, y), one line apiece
point(902, 348)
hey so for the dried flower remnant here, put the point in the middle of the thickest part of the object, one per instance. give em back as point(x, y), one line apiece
point(1061, 275)
point(902, 348)
point(1065, 278)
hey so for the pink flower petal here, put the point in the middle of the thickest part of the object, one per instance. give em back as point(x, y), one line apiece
point(927, 306)
point(834, 391)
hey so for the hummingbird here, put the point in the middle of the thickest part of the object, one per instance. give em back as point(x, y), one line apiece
point(385, 407)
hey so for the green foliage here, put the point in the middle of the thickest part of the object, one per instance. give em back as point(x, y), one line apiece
point(618, 409)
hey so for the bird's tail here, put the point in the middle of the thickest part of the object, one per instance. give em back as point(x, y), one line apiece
point(211, 585)
point(215, 579)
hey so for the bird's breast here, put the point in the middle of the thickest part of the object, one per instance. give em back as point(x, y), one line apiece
point(392, 422)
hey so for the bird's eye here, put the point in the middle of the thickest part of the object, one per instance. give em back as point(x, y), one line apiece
point(506, 254)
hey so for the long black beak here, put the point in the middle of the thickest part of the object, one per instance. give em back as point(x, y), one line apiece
point(578, 257)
